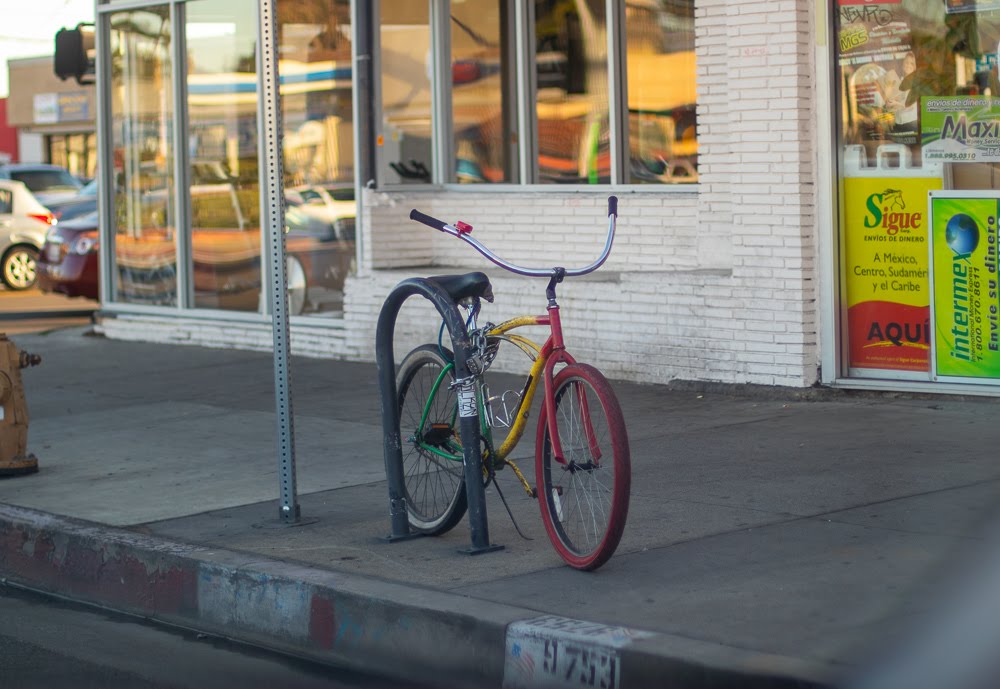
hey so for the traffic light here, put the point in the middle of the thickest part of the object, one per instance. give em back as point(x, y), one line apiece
point(75, 53)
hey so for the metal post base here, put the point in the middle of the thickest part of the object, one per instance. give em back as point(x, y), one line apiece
point(402, 537)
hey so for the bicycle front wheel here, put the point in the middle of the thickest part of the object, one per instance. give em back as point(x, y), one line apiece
point(584, 498)
point(434, 478)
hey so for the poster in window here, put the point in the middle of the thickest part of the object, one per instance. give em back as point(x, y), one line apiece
point(887, 276)
point(960, 129)
point(875, 56)
point(966, 308)
point(960, 6)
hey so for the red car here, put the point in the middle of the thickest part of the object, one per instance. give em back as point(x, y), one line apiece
point(68, 261)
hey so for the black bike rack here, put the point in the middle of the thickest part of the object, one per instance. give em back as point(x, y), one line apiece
point(468, 425)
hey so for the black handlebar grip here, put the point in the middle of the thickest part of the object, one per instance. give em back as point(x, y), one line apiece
point(427, 220)
point(613, 206)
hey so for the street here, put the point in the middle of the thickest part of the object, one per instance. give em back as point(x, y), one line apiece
point(49, 644)
point(33, 311)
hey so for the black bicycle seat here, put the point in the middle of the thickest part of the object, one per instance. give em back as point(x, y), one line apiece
point(459, 287)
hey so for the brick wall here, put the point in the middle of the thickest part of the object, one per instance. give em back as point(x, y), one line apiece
point(715, 284)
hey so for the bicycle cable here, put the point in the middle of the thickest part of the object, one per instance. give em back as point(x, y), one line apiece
point(440, 342)
point(507, 507)
point(491, 477)
point(441, 350)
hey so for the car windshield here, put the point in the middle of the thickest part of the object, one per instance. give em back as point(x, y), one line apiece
point(90, 188)
point(44, 180)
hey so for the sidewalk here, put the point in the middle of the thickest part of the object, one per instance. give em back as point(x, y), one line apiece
point(774, 537)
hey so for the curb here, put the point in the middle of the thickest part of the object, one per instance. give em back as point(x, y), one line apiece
point(364, 624)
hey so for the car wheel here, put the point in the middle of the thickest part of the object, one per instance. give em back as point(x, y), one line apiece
point(19, 269)
point(296, 276)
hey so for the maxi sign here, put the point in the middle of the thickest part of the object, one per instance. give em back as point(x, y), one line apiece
point(966, 309)
point(960, 129)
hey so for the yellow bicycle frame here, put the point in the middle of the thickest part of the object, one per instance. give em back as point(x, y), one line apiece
point(542, 355)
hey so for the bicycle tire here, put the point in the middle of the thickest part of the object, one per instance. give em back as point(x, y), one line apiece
point(584, 506)
point(434, 486)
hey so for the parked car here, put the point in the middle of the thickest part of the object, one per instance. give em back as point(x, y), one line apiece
point(68, 261)
point(81, 204)
point(49, 183)
point(23, 224)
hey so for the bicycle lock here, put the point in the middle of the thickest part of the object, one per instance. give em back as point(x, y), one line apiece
point(468, 422)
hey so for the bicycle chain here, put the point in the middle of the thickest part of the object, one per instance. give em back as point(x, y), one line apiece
point(484, 349)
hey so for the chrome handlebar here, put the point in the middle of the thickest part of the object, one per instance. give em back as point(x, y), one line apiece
point(462, 231)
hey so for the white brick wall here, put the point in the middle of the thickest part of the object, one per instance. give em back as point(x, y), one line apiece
point(715, 282)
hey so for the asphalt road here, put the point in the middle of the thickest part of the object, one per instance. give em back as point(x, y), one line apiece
point(46, 643)
point(31, 311)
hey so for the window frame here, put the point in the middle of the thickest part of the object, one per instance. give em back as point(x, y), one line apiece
point(527, 173)
point(179, 126)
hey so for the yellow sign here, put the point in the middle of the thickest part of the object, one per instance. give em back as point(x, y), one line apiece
point(886, 271)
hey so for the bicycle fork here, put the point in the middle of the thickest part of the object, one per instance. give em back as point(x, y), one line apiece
point(558, 354)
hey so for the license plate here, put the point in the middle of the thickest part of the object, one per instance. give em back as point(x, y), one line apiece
point(551, 651)
point(52, 253)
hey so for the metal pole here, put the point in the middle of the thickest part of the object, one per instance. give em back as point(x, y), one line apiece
point(364, 95)
point(272, 217)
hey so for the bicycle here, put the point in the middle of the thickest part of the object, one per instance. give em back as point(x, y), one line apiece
point(582, 461)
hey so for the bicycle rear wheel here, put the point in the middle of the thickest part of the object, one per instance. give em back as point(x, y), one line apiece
point(434, 478)
point(584, 500)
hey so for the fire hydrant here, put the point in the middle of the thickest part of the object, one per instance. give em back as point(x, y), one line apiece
point(14, 457)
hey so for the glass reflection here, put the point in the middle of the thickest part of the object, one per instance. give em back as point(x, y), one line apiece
point(481, 83)
point(222, 142)
point(660, 59)
point(405, 139)
point(572, 91)
point(890, 57)
point(316, 99)
point(141, 114)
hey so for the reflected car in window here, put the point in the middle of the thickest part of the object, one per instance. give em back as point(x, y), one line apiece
point(310, 206)
point(226, 253)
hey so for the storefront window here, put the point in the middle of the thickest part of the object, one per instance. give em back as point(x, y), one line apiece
point(405, 145)
point(919, 140)
point(222, 142)
point(659, 42)
point(316, 99)
point(572, 91)
point(141, 131)
point(482, 104)
point(75, 152)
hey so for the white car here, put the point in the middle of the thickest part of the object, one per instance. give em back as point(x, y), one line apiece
point(23, 225)
point(332, 205)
